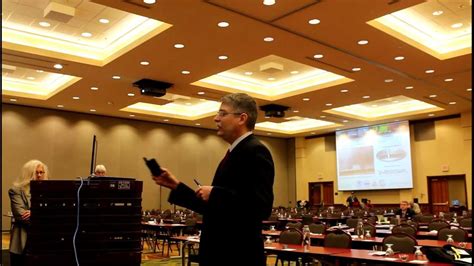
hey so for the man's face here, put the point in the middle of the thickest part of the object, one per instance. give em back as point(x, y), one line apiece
point(228, 123)
point(403, 206)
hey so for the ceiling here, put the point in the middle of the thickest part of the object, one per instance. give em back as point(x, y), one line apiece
point(336, 64)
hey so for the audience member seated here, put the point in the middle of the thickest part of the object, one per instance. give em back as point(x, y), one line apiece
point(415, 206)
point(405, 212)
point(352, 201)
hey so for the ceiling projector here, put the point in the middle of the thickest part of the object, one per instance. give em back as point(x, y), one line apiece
point(151, 87)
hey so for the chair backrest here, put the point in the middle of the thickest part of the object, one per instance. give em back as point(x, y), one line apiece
point(412, 223)
point(404, 228)
point(401, 242)
point(466, 222)
point(338, 239)
point(371, 219)
point(352, 222)
point(296, 225)
point(307, 219)
point(317, 228)
point(291, 236)
point(425, 218)
point(458, 234)
point(273, 217)
point(437, 224)
point(369, 227)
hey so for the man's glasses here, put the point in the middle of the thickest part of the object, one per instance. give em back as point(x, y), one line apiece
point(224, 113)
point(39, 172)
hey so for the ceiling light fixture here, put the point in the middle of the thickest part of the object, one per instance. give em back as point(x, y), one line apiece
point(344, 90)
point(329, 104)
point(76, 97)
point(457, 25)
point(268, 2)
point(86, 34)
point(223, 57)
point(201, 93)
point(388, 80)
point(355, 69)
point(44, 24)
point(452, 103)
point(179, 45)
point(149, 2)
point(60, 106)
point(470, 89)
point(223, 24)
point(131, 94)
point(92, 110)
point(144, 63)
point(318, 56)
point(39, 71)
point(314, 21)
point(116, 77)
point(433, 96)
point(437, 13)
point(449, 79)
point(248, 73)
point(305, 99)
point(399, 58)
point(362, 42)
point(104, 21)
point(408, 87)
point(58, 66)
point(131, 115)
point(430, 114)
point(185, 72)
point(271, 79)
point(366, 97)
point(94, 88)
point(268, 39)
point(429, 71)
point(13, 100)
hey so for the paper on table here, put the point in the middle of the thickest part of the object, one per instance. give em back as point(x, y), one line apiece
point(462, 252)
point(377, 253)
point(270, 247)
point(418, 261)
point(391, 259)
point(468, 260)
point(289, 249)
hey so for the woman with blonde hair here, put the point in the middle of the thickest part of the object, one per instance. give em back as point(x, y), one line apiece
point(20, 204)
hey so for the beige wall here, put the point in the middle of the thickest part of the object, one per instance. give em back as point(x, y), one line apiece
point(63, 140)
point(451, 147)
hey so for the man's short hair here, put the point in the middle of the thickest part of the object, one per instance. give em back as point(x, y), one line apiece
point(243, 103)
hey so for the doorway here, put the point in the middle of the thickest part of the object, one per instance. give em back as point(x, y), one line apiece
point(446, 191)
point(321, 193)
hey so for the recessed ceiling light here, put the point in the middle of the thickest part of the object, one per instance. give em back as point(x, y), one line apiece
point(409, 87)
point(44, 24)
point(166, 120)
point(271, 79)
point(452, 103)
point(345, 121)
point(362, 42)
point(13, 100)
point(223, 57)
point(150, 2)
point(329, 104)
point(86, 34)
point(317, 56)
point(92, 110)
point(374, 105)
point(399, 58)
point(268, 2)
point(131, 94)
point(269, 133)
point(355, 69)
point(131, 115)
point(429, 71)
point(268, 39)
point(431, 115)
point(197, 124)
point(437, 13)
point(60, 106)
point(116, 77)
point(322, 116)
point(449, 79)
point(30, 78)
point(313, 133)
point(388, 80)
point(185, 72)
point(248, 73)
point(296, 111)
point(223, 24)
point(305, 99)
point(344, 90)
point(395, 101)
point(201, 93)
point(470, 89)
point(433, 96)
point(457, 25)
point(179, 45)
point(94, 88)
point(104, 21)
point(188, 103)
point(294, 72)
point(366, 97)
point(58, 66)
point(144, 63)
point(314, 21)
point(76, 97)
point(39, 71)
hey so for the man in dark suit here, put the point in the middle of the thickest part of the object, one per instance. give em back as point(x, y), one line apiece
point(405, 212)
point(241, 194)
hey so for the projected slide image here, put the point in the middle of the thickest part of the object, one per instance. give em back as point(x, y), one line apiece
point(391, 154)
point(356, 161)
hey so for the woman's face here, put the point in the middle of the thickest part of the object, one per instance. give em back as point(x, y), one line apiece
point(39, 173)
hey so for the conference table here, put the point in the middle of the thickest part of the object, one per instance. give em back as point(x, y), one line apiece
point(161, 231)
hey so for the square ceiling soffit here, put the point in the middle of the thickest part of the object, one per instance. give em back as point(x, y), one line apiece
point(388, 108)
point(295, 125)
point(124, 37)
